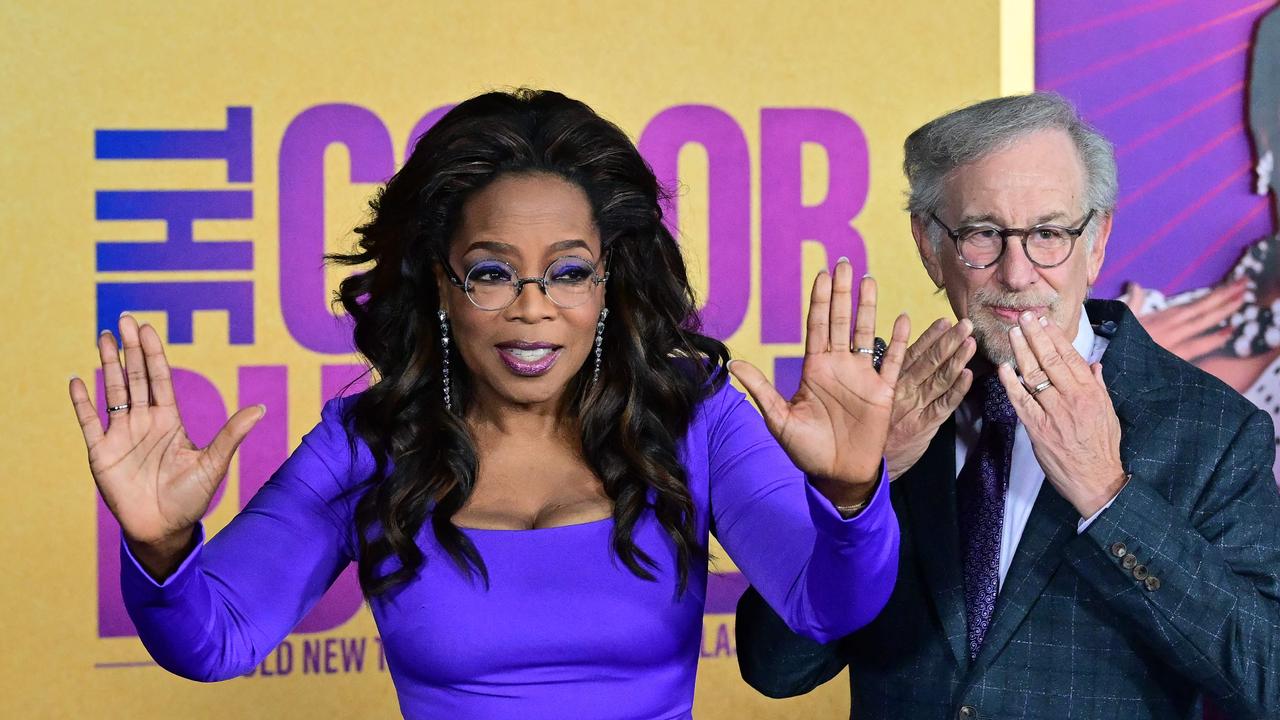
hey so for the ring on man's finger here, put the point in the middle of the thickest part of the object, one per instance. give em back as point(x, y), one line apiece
point(865, 351)
point(1042, 387)
point(117, 408)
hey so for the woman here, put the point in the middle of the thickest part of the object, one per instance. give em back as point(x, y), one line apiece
point(529, 484)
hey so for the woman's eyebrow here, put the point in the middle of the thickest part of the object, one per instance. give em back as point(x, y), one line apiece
point(492, 246)
point(509, 249)
point(570, 244)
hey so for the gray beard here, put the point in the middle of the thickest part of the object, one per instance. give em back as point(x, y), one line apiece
point(992, 333)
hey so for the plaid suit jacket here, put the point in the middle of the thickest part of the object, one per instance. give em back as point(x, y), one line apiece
point(1076, 633)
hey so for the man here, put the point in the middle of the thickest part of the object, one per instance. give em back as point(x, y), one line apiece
point(1090, 528)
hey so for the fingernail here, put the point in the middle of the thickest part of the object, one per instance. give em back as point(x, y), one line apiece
point(124, 314)
point(967, 324)
point(1026, 315)
point(1016, 331)
point(72, 376)
point(1044, 322)
point(842, 259)
point(104, 332)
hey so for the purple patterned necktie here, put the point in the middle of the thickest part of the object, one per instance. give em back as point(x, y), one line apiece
point(980, 491)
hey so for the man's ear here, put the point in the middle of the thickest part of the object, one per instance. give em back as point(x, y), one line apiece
point(1099, 249)
point(928, 253)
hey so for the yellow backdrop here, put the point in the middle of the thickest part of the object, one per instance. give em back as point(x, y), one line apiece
point(753, 76)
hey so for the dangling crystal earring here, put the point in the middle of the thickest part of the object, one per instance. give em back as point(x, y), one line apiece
point(604, 313)
point(444, 354)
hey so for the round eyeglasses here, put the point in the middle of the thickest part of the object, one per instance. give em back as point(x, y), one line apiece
point(493, 284)
point(981, 246)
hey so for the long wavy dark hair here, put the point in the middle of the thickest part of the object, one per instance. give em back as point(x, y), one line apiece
point(657, 366)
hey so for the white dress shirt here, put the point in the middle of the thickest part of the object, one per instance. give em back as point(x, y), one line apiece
point(1025, 475)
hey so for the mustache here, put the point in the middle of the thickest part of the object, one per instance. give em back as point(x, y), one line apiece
point(1002, 298)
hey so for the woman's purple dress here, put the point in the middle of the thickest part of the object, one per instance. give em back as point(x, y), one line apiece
point(564, 630)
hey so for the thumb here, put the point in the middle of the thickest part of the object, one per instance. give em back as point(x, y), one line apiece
point(231, 435)
point(774, 409)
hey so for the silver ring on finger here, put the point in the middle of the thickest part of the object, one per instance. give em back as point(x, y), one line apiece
point(1041, 387)
point(117, 408)
point(865, 350)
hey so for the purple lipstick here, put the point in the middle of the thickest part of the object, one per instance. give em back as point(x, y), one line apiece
point(529, 359)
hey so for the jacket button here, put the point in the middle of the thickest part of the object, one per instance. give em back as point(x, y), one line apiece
point(1119, 550)
point(1129, 561)
point(967, 712)
point(1152, 583)
point(1140, 572)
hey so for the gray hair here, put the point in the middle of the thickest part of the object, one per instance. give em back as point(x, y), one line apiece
point(971, 133)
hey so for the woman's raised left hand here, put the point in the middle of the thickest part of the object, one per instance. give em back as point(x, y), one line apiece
point(835, 427)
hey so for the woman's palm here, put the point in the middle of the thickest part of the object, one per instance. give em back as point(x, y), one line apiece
point(836, 424)
point(154, 480)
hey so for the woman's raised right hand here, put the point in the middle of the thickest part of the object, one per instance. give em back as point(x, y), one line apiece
point(155, 481)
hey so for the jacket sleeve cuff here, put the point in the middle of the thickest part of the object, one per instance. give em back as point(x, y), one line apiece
point(1139, 551)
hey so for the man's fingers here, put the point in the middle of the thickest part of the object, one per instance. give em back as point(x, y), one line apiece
point(944, 378)
point(1043, 354)
point(772, 406)
point(894, 356)
point(1071, 357)
point(925, 342)
point(944, 350)
point(90, 424)
point(946, 403)
point(1096, 370)
point(1024, 404)
point(817, 332)
point(952, 340)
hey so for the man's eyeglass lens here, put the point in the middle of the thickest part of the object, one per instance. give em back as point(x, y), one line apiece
point(1045, 244)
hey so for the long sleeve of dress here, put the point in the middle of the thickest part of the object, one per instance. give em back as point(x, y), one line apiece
point(276, 558)
point(824, 575)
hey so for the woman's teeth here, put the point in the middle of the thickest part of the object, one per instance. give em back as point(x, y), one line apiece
point(530, 355)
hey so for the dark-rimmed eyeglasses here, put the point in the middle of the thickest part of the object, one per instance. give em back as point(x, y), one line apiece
point(982, 245)
point(493, 284)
